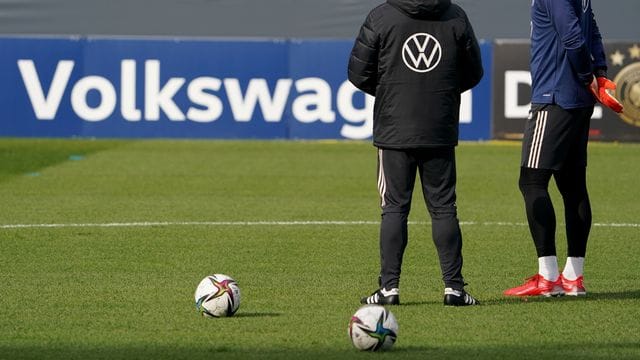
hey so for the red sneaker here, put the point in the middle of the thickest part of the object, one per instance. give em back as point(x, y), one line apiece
point(537, 285)
point(573, 287)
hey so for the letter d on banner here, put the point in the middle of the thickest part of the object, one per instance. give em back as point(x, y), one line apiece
point(512, 79)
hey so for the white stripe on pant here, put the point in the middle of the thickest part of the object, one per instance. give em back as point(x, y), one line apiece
point(382, 183)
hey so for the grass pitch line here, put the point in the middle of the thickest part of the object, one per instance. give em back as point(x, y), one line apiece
point(274, 223)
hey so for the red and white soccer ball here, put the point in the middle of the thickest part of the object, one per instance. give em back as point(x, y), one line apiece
point(217, 295)
point(373, 328)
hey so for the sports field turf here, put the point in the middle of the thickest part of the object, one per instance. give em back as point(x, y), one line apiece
point(102, 244)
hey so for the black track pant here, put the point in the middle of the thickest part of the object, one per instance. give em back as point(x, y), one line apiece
point(396, 179)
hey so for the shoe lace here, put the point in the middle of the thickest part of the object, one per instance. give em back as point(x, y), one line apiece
point(535, 278)
point(578, 282)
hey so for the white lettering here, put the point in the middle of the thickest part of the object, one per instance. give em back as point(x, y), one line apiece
point(45, 106)
point(160, 98)
point(363, 116)
point(128, 93)
point(206, 97)
point(211, 103)
point(466, 107)
point(243, 106)
point(107, 98)
point(308, 108)
point(597, 112)
point(512, 79)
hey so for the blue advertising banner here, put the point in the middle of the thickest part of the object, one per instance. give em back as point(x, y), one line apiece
point(193, 88)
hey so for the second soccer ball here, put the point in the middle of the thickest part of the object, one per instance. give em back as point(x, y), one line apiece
point(373, 328)
point(217, 295)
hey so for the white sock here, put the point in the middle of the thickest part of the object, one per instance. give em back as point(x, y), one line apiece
point(573, 268)
point(548, 267)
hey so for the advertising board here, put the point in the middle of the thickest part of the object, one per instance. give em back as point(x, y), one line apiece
point(193, 88)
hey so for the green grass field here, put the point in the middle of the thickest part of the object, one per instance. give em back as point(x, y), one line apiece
point(102, 244)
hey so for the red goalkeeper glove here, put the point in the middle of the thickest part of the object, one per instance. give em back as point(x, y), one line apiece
point(600, 87)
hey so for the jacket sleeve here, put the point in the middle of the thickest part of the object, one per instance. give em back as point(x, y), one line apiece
point(470, 64)
point(597, 49)
point(363, 61)
point(567, 25)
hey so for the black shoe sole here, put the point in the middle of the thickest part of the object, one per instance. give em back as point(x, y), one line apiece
point(452, 300)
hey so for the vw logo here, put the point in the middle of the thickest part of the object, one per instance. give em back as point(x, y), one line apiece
point(421, 52)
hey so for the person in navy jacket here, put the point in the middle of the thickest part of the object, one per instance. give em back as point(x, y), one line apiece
point(569, 74)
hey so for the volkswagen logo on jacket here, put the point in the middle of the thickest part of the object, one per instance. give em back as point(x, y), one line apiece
point(421, 52)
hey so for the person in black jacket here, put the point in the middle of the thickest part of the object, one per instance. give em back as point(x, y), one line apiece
point(417, 57)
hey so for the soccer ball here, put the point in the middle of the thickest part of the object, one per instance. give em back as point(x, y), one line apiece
point(373, 328)
point(217, 295)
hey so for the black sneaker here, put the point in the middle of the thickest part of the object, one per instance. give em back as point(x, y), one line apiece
point(458, 298)
point(383, 296)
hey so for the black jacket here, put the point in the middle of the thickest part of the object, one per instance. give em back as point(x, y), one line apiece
point(416, 57)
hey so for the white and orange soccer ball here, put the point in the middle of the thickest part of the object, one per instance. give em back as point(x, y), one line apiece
point(217, 295)
point(373, 328)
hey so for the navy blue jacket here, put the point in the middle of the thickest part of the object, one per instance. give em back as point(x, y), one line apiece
point(566, 51)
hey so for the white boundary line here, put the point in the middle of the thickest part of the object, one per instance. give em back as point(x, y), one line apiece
point(273, 223)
